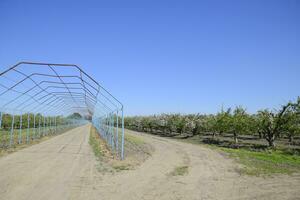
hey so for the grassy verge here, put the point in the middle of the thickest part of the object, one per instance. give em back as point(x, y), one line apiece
point(257, 162)
point(136, 151)
point(266, 162)
point(101, 152)
point(96, 145)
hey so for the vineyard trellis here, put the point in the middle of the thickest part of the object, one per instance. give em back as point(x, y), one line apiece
point(40, 99)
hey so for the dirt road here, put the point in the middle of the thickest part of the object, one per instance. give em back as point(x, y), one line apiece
point(64, 167)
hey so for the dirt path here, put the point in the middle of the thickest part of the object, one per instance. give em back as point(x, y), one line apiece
point(64, 167)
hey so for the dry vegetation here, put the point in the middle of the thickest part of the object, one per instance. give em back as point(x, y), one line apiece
point(136, 152)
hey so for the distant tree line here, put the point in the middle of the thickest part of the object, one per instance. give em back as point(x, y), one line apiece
point(267, 124)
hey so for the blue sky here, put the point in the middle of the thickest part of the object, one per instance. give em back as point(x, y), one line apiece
point(165, 56)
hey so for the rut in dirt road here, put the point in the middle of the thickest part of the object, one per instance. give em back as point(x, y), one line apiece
point(64, 167)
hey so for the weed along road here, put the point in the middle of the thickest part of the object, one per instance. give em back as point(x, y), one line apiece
point(65, 167)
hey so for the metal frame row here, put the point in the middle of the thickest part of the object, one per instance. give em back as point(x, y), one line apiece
point(57, 91)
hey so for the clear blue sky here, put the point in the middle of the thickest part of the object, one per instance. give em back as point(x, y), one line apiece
point(165, 56)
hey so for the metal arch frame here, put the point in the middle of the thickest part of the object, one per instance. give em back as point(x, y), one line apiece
point(91, 98)
point(43, 90)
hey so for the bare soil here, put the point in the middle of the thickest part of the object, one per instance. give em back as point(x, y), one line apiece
point(64, 167)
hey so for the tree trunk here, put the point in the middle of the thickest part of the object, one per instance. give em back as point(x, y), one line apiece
point(164, 130)
point(221, 133)
point(181, 132)
point(259, 135)
point(280, 135)
point(214, 135)
point(291, 138)
point(235, 138)
point(271, 143)
point(271, 140)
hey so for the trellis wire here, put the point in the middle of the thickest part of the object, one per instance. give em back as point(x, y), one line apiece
point(40, 99)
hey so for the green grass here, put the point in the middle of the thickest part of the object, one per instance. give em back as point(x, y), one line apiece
point(121, 167)
point(180, 171)
point(100, 152)
point(266, 162)
point(95, 144)
point(258, 162)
